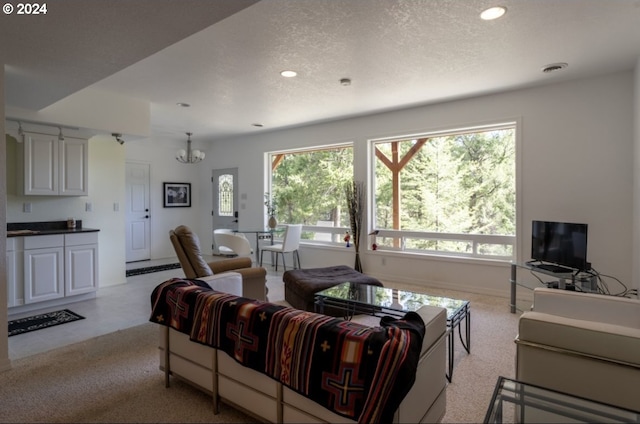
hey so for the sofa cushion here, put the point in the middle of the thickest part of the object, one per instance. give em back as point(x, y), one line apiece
point(614, 310)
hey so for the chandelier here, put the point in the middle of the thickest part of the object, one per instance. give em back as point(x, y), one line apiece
point(189, 156)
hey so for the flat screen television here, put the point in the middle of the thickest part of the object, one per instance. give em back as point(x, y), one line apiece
point(560, 243)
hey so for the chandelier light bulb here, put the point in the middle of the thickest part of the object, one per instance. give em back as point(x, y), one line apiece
point(189, 156)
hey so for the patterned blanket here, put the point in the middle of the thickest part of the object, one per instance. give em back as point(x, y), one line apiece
point(356, 371)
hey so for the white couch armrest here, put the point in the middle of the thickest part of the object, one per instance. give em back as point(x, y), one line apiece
point(435, 325)
point(588, 306)
point(227, 282)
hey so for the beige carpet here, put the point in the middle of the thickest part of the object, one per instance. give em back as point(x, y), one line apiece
point(115, 377)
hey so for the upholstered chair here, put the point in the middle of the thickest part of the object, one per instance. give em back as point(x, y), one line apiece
point(233, 244)
point(187, 247)
point(584, 344)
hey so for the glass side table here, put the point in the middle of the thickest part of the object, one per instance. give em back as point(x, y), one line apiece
point(517, 402)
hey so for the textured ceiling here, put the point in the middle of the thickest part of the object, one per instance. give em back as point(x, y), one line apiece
point(397, 53)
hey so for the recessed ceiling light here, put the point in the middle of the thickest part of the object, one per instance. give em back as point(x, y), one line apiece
point(258, 125)
point(288, 74)
point(181, 104)
point(493, 13)
point(345, 81)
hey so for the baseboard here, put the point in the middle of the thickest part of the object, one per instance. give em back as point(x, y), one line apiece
point(388, 280)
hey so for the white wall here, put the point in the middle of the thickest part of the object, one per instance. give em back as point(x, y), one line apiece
point(576, 164)
point(165, 168)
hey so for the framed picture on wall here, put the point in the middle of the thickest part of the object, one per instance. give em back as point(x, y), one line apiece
point(177, 195)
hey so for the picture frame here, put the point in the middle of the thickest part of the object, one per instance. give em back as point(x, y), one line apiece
point(177, 195)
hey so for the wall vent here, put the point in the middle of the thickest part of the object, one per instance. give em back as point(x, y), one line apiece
point(554, 67)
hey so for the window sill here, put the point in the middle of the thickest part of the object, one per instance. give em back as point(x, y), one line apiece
point(440, 258)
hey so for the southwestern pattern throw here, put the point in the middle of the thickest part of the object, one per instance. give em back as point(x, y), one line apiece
point(359, 372)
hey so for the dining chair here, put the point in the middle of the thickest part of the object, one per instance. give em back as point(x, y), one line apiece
point(290, 244)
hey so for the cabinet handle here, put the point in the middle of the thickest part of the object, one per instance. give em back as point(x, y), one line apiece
point(146, 216)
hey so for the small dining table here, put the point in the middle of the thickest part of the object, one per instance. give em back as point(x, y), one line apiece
point(261, 234)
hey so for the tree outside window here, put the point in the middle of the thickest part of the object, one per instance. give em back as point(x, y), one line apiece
point(308, 186)
point(457, 183)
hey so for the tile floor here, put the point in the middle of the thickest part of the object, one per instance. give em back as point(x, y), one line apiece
point(114, 308)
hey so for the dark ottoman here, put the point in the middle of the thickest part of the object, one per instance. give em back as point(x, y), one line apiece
point(300, 285)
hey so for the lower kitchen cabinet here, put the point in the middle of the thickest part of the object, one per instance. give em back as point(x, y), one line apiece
point(51, 267)
point(81, 263)
point(43, 268)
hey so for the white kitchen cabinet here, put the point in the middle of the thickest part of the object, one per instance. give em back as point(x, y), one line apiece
point(81, 263)
point(51, 268)
point(52, 167)
point(43, 268)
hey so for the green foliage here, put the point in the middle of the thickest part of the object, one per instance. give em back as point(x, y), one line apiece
point(309, 186)
point(463, 183)
point(271, 204)
point(459, 183)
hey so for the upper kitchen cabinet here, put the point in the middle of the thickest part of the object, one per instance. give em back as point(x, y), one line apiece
point(54, 167)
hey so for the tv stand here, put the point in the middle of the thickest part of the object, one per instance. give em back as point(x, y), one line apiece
point(553, 268)
point(567, 279)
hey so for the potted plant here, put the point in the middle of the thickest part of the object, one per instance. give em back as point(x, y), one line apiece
point(271, 210)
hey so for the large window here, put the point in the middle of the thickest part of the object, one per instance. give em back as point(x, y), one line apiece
point(451, 193)
point(307, 187)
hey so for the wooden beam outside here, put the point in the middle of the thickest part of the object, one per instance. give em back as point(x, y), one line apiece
point(396, 188)
point(395, 165)
point(277, 159)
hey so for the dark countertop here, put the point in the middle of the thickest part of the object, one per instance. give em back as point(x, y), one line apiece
point(27, 229)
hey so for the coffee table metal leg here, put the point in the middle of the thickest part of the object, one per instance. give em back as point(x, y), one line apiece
point(450, 340)
point(467, 328)
point(319, 304)
point(466, 341)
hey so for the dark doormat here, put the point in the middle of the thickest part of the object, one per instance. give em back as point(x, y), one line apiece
point(40, 321)
point(149, 269)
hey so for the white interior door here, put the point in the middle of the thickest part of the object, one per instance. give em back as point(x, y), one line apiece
point(225, 198)
point(138, 214)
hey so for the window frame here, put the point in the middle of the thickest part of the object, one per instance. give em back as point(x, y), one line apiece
point(512, 240)
point(335, 232)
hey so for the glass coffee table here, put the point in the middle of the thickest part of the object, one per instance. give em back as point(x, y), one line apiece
point(517, 402)
point(356, 299)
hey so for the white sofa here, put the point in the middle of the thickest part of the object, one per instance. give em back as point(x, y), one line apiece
point(225, 379)
point(582, 344)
